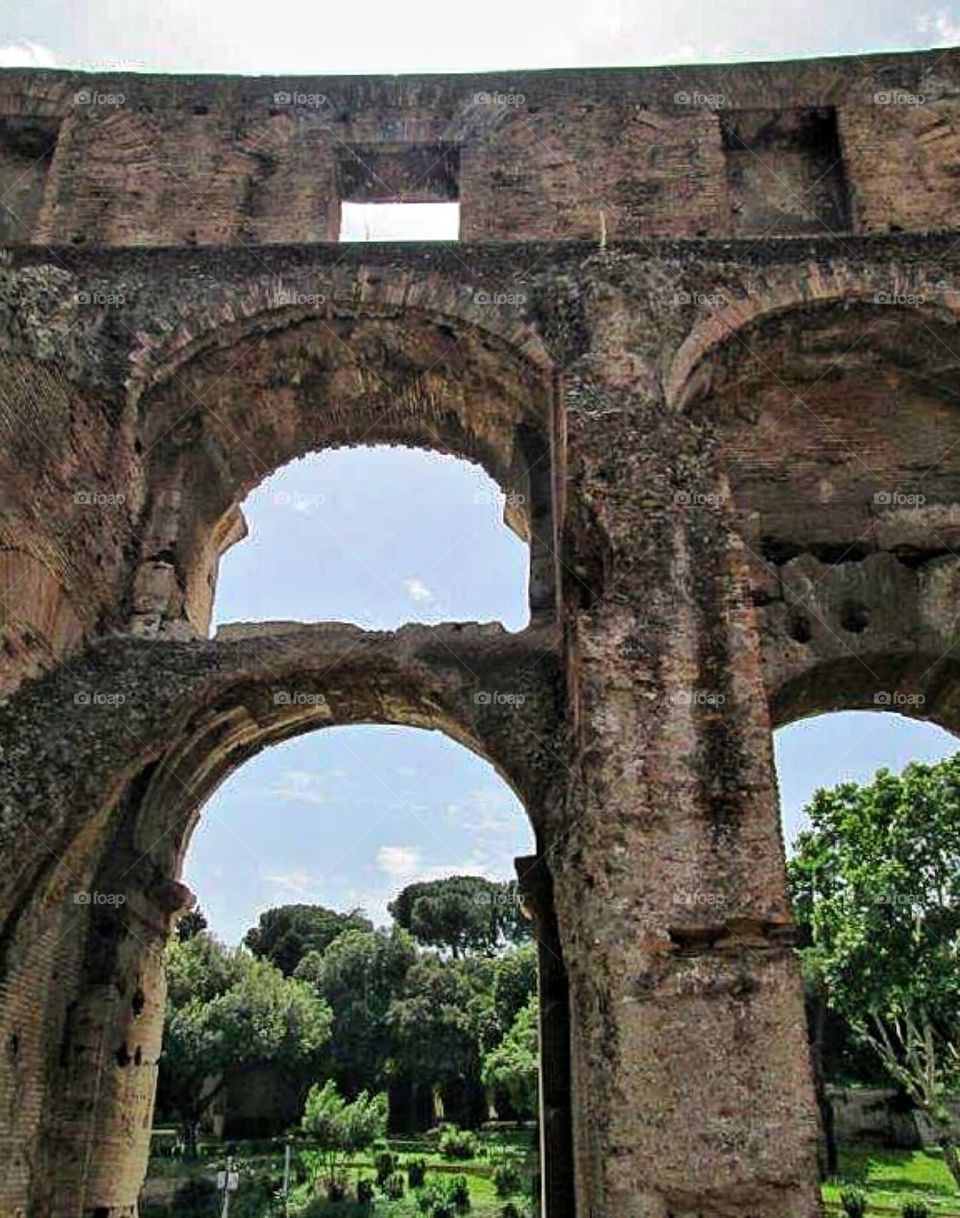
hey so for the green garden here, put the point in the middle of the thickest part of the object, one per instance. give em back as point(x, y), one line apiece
point(404, 1059)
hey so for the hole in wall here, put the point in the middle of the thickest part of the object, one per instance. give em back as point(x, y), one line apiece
point(798, 627)
point(399, 221)
point(854, 617)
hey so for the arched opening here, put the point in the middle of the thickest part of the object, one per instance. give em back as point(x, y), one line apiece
point(378, 537)
point(312, 377)
point(872, 1123)
point(340, 824)
point(275, 689)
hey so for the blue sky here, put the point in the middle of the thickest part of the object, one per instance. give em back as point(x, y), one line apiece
point(348, 815)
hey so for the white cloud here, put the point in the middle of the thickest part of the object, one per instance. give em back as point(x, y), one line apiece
point(26, 55)
point(487, 812)
point(398, 862)
point(301, 786)
point(297, 883)
point(417, 590)
point(942, 26)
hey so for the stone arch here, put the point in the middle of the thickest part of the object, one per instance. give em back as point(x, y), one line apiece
point(224, 411)
point(175, 728)
point(734, 308)
point(838, 438)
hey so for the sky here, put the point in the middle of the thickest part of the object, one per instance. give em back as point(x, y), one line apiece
point(347, 816)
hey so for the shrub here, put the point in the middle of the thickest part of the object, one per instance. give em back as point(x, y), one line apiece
point(195, 1198)
point(445, 1200)
point(915, 1209)
point(393, 1186)
point(366, 1191)
point(512, 1210)
point(853, 1202)
point(507, 1179)
point(385, 1163)
point(460, 1193)
point(337, 1188)
point(416, 1172)
point(458, 1143)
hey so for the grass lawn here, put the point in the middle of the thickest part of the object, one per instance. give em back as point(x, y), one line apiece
point(891, 1177)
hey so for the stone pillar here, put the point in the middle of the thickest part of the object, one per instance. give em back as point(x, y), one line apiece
point(556, 1137)
point(98, 1135)
point(692, 1088)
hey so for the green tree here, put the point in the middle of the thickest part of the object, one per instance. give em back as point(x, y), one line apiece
point(442, 1023)
point(192, 923)
point(359, 975)
point(514, 1064)
point(285, 934)
point(514, 983)
point(462, 914)
point(337, 1129)
point(227, 1011)
point(877, 881)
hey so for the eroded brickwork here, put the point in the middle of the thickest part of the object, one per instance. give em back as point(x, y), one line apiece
point(701, 322)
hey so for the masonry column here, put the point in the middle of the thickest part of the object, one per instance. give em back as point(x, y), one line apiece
point(693, 1092)
point(556, 1138)
point(98, 1138)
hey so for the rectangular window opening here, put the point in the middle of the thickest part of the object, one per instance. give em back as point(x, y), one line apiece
point(785, 171)
point(399, 221)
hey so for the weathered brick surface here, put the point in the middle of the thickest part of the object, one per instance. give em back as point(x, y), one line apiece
point(733, 450)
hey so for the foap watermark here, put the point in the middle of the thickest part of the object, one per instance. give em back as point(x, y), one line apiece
point(98, 697)
point(90, 97)
point(499, 99)
point(505, 897)
point(696, 697)
point(100, 498)
point(312, 300)
point(713, 101)
point(298, 500)
point(498, 697)
point(515, 300)
point(899, 499)
point(698, 898)
point(512, 499)
point(711, 300)
point(294, 97)
point(898, 97)
point(897, 697)
point(112, 299)
point(913, 299)
point(697, 498)
point(85, 897)
point(298, 697)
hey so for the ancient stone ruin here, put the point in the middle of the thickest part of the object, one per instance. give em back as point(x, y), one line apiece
point(701, 322)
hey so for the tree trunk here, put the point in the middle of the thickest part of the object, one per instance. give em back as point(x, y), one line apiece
point(829, 1157)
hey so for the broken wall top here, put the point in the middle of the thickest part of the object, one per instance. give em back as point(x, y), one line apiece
point(828, 146)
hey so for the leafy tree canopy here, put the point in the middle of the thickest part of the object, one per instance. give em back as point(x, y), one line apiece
point(227, 1011)
point(462, 914)
point(359, 976)
point(285, 934)
point(513, 1064)
point(877, 881)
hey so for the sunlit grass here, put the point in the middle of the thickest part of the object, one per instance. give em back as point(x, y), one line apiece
point(891, 1177)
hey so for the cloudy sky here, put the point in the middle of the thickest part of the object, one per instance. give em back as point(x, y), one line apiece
point(349, 815)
